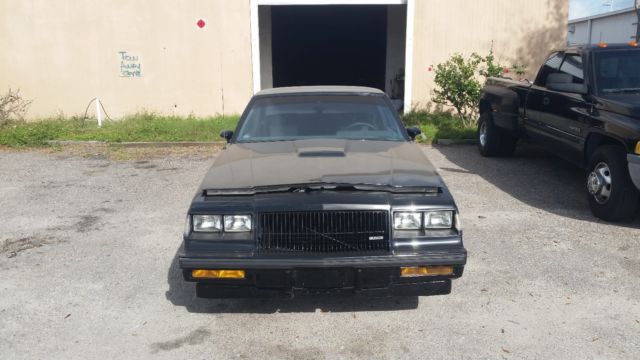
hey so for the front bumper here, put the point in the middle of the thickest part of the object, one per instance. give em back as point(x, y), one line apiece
point(634, 169)
point(284, 277)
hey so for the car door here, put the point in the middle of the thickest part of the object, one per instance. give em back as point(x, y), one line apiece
point(561, 117)
point(535, 111)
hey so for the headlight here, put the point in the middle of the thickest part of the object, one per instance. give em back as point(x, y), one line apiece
point(207, 223)
point(407, 220)
point(438, 219)
point(237, 223)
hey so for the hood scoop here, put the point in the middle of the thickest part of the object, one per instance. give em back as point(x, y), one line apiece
point(321, 151)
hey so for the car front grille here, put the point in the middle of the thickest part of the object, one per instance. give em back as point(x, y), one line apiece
point(324, 232)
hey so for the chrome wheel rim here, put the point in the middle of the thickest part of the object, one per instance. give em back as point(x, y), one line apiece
point(599, 183)
point(483, 134)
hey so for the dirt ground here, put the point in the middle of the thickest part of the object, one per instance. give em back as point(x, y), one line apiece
point(89, 237)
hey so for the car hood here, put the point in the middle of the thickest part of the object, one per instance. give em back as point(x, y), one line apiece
point(628, 105)
point(392, 163)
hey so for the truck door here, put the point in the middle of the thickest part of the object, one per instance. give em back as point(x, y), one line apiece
point(560, 118)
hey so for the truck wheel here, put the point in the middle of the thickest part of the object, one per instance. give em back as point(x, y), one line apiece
point(493, 141)
point(488, 137)
point(612, 195)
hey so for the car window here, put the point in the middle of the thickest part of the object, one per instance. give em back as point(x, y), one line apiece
point(550, 66)
point(618, 72)
point(319, 116)
point(572, 65)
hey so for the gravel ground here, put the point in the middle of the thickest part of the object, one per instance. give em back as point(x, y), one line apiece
point(88, 270)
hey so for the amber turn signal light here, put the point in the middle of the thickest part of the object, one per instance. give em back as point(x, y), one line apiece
point(217, 274)
point(633, 43)
point(426, 271)
point(638, 148)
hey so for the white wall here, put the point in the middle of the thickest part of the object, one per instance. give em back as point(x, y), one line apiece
point(578, 33)
point(63, 53)
point(615, 28)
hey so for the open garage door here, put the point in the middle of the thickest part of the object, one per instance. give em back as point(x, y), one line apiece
point(329, 45)
point(360, 45)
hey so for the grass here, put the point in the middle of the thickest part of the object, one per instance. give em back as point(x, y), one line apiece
point(139, 127)
point(439, 125)
point(152, 127)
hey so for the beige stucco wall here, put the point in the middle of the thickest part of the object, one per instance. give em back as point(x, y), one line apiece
point(63, 53)
point(522, 31)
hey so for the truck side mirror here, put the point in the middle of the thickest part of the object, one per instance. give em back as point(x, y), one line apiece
point(226, 134)
point(413, 132)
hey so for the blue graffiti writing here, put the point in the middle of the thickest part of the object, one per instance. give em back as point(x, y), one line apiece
point(130, 65)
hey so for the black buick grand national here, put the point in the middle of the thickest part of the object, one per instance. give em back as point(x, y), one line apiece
point(320, 189)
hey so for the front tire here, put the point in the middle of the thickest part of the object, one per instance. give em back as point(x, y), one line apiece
point(612, 195)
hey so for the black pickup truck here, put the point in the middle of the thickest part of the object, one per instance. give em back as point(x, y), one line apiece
point(584, 106)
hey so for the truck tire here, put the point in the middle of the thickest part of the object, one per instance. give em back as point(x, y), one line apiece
point(612, 195)
point(493, 141)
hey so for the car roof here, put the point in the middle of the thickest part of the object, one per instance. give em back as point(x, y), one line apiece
point(598, 47)
point(306, 90)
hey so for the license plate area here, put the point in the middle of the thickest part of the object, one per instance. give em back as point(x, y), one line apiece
point(324, 278)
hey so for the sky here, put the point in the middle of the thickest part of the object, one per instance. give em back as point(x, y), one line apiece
point(582, 8)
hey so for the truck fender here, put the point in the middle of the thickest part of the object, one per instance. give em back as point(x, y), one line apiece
point(595, 139)
point(503, 103)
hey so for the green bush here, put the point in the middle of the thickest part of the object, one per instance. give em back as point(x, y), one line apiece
point(457, 85)
point(458, 82)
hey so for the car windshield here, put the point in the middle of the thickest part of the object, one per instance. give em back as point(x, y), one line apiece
point(618, 72)
point(300, 117)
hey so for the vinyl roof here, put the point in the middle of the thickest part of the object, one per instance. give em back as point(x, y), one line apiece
point(319, 89)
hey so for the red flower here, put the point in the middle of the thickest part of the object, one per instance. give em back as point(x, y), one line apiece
point(429, 68)
point(505, 70)
point(201, 23)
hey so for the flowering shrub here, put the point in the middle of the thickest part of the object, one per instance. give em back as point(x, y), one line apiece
point(458, 82)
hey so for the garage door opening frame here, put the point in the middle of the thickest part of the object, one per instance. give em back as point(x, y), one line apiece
point(255, 36)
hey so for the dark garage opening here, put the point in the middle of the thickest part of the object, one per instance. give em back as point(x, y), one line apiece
point(329, 45)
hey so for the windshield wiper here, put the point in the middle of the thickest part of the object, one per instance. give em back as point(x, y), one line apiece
point(620, 91)
point(307, 187)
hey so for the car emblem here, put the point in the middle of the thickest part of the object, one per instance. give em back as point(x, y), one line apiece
point(376, 238)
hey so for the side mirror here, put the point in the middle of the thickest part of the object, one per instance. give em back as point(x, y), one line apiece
point(413, 132)
point(569, 88)
point(226, 134)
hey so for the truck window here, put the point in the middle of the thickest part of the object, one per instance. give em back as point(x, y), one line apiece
point(618, 72)
point(550, 66)
point(572, 65)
